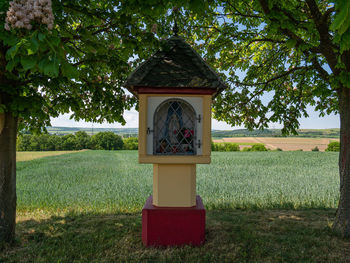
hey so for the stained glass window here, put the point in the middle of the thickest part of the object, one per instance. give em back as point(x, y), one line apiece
point(174, 128)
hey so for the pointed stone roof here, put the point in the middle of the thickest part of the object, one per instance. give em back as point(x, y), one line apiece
point(177, 66)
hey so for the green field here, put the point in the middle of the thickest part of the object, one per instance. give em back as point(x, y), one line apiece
point(114, 181)
point(261, 206)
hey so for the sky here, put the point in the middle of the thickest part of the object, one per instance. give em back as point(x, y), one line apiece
point(131, 117)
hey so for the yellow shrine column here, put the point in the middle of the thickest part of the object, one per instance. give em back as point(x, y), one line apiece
point(174, 185)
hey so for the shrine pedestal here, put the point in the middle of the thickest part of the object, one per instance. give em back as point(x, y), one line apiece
point(173, 226)
point(174, 185)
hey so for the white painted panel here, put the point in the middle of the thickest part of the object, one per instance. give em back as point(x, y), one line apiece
point(154, 102)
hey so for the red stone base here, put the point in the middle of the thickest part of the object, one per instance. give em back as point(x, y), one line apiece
point(173, 226)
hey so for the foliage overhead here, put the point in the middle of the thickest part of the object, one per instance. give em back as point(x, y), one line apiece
point(291, 53)
point(79, 65)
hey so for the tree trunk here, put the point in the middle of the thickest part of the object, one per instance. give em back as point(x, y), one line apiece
point(8, 178)
point(342, 220)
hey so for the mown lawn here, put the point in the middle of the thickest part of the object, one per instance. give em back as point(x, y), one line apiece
point(261, 207)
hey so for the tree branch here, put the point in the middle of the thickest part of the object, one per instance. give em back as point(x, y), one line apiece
point(323, 73)
point(77, 48)
point(265, 40)
point(326, 45)
point(85, 11)
point(286, 73)
point(289, 33)
point(327, 14)
point(89, 61)
point(239, 13)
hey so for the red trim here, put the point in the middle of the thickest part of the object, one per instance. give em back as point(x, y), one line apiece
point(177, 90)
point(173, 226)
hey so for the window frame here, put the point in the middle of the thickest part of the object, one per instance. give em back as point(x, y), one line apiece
point(156, 134)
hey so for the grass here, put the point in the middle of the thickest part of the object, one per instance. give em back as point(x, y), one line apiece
point(231, 236)
point(114, 181)
point(265, 180)
point(104, 181)
point(261, 207)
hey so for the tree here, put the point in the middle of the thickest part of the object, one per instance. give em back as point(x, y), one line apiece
point(131, 143)
point(35, 143)
point(107, 141)
point(23, 143)
point(65, 56)
point(69, 142)
point(292, 54)
point(333, 147)
point(83, 140)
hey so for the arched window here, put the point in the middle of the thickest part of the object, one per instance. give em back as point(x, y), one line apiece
point(174, 128)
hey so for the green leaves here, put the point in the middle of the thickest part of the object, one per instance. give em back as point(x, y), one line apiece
point(33, 55)
point(80, 65)
point(344, 78)
point(291, 43)
point(41, 36)
point(11, 64)
point(8, 39)
point(11, 53)
point(69, 71)
point(28, 62)
point(345, 41)
point(34, 44)
point(341, 22)
point(49, 66)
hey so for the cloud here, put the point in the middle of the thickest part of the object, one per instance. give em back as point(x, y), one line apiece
point(131, 117)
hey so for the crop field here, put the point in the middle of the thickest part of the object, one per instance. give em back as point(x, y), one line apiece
point(286, 144)
point(261, 207)
point(28, 156)
point(114, 181)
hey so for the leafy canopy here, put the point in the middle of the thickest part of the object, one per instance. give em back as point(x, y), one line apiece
point(79, 65)
point(291, 53)
point(296, 52)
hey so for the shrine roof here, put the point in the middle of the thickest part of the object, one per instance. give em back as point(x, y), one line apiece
point(176, 66)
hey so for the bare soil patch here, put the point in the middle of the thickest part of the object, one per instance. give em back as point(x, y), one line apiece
point(28, 156)
point(286, 144)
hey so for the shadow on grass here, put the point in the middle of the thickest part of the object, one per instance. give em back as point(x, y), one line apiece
point(232, 236)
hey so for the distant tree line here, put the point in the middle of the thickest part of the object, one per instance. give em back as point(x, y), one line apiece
point(234, 147)
point(333, 147)
point(260, 147)
point(110, 141)
point(78, 141)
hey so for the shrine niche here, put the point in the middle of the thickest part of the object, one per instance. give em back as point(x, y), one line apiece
point(175, 128)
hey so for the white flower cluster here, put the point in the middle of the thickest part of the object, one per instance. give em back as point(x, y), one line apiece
point(22, 13)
